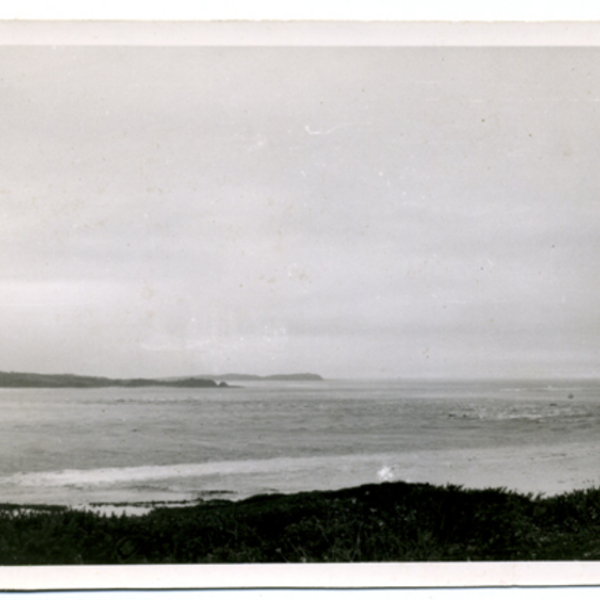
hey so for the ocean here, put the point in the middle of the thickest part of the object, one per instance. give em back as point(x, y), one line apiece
point(113, 446)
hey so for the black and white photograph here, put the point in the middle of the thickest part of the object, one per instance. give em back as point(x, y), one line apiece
point(291, 303)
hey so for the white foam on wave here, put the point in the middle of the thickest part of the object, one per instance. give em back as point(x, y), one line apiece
point(386, 473)
point(148, 473)
point(520, 413)
point(524, 469)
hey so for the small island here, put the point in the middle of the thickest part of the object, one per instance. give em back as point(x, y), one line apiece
point(287, 377)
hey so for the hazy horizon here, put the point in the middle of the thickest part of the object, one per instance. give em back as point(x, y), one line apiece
point(382, 378)
point(351, 212)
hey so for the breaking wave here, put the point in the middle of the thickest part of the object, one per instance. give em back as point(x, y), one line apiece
point(525, 413)
point(151, 473)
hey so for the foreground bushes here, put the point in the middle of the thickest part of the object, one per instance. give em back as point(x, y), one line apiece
point(386, 522)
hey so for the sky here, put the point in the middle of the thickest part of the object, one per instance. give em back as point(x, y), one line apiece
point(354, 212)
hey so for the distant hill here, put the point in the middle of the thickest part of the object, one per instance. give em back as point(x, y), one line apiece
point(246, 377)
point(35, 380)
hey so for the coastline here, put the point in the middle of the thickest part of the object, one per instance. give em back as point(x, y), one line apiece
point(546, 470)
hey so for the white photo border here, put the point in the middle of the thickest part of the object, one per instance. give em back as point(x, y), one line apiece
point(411, 578)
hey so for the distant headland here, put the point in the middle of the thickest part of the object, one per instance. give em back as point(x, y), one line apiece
point(37, 380)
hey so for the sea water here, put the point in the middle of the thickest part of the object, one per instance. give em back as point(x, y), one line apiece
point(118, 445)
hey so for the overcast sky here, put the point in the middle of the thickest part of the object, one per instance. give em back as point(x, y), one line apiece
point(378, 212)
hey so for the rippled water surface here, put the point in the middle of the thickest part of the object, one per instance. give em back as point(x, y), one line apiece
point(161, 444)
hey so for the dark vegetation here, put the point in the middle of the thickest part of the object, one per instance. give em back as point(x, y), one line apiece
point(387, 522)
point(36, 380)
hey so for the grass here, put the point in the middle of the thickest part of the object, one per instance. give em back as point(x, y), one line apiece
point(385, 522)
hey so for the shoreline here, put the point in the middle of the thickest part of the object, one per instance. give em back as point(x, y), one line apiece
point(544, 470)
